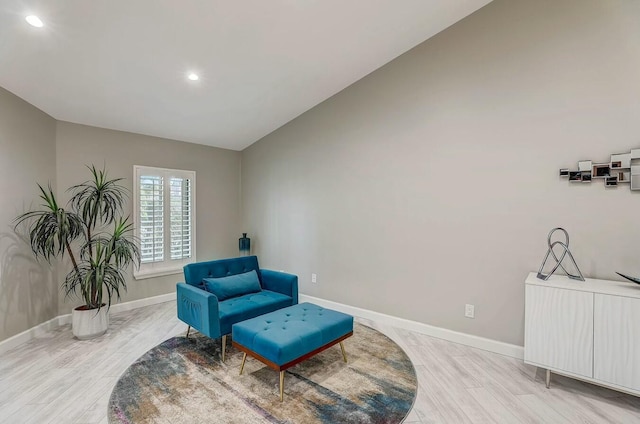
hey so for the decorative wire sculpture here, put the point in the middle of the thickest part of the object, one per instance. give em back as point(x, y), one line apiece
point(632, 279)
point(565, 247)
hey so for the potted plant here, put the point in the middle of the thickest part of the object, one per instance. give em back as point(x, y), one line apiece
point(97, 239)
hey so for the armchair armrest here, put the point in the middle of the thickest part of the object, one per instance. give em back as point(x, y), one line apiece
point(199, 309)
point(280, 282)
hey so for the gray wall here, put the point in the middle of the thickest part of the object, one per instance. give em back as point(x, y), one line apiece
point(35, 148)
point(433, 182)
point(28, 291)
point(217, 188)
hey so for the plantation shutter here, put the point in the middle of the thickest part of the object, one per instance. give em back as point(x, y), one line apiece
point(180, 217)
point(151, 225)
point(164, 219)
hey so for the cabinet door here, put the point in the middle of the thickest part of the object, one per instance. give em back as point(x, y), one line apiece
point(617, 340)
point(559, 329)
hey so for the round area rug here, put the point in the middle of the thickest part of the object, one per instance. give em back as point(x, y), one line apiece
point(183, 381)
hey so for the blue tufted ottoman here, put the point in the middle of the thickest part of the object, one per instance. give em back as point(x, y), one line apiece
point(283, 338)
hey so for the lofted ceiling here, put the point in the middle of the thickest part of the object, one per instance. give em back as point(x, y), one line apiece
point(123, 64)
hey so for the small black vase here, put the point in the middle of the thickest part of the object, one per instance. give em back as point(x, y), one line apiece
point(244, 244)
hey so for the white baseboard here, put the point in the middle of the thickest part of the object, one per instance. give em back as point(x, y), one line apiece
point(441, 333)
point(29, 334)
point(56, 322)
point(135, 304)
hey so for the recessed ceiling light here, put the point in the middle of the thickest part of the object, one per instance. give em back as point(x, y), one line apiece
point(193, 77)
point(35, 21)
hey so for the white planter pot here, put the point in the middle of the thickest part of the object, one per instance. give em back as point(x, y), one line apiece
point(87, 324)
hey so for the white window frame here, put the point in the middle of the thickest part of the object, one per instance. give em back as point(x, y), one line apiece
point(168, 266)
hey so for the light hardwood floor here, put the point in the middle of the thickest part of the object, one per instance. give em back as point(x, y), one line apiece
point(56, 379)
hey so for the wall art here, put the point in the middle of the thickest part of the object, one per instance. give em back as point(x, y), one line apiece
point(623, 168)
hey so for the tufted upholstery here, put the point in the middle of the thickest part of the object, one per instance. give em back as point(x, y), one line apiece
point(287, 334)
point(204, 312)
point(250, 306)
point(194, 273)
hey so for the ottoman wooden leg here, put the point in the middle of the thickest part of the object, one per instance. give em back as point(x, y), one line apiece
point(244, 358)
point(344, 354)
point(281, 386)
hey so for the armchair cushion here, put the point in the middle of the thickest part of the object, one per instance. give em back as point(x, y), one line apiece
point(233, 286)
point(249, 306)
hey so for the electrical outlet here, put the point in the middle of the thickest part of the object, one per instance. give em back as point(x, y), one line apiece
point(469, 311)
point(314, 278)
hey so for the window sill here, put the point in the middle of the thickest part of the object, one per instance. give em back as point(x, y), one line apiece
point(152, 274)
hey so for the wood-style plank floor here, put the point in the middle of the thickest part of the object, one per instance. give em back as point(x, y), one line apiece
point(57, 379)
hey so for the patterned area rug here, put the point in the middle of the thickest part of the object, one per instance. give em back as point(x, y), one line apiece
point(183, 381)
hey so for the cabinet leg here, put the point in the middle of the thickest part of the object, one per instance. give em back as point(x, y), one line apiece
point(548, 379)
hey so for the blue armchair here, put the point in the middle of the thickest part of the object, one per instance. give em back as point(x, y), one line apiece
point(217, 294)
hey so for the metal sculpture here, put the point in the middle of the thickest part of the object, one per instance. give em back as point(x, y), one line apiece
point(632, 279)
point(565, 252)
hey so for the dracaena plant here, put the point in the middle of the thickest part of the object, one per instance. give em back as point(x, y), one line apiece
point(93, 232)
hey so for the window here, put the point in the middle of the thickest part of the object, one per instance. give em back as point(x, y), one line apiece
point(164, 219)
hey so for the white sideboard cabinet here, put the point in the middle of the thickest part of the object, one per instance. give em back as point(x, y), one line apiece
point(589, 330)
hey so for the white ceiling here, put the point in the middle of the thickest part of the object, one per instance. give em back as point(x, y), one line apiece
point(122, 64)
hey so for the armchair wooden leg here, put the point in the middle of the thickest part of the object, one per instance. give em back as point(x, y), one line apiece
point(188, 329)
point(224, 346)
